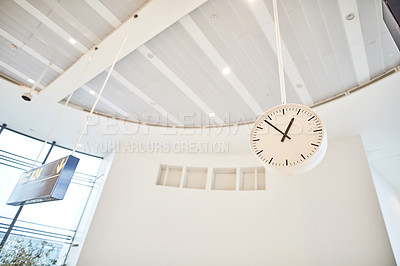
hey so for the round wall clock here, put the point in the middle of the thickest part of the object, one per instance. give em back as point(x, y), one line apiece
point(289, 139)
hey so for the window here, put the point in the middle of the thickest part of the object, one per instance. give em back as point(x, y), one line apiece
point(54, 222)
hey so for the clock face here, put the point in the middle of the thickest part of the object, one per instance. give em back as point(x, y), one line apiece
point(289, 138)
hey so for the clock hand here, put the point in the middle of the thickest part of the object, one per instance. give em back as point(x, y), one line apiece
point(276, 128)
point(287, 129)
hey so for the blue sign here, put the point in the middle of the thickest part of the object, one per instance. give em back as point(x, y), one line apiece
point(45, 183)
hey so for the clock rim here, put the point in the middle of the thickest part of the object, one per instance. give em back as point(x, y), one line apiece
point(305, 165)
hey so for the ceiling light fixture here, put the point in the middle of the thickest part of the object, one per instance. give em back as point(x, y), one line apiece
point(226, 71)
point(72, 40)
point(13, 47)
point(31, 81)
point(92, 92)
point(350, 16)
point(211, 115)
point(27, 97)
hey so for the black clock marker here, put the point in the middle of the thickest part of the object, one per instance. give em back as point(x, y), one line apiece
point(317, 130)
point(256, 139)
point(311, 117)
point(303, 156)
point(260, 152)
point(259, 127)
point(269, 117)
point(270, 160)
point(314, 145)
point(286, 162)
point(283, 111)
point(298, 112)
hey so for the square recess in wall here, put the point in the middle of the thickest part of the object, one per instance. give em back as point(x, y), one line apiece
point(252, 178)
point(260, 171)
point(169, 176)
point(161, 175)
point(224, 179)
point(248, 179)
point(195, 178)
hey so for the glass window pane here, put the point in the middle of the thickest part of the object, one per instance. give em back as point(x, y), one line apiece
point(9, 177)
point(89, 165)
point(21, 145)
point(54, 221)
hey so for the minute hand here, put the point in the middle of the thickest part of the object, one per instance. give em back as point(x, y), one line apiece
point(276, 128)
point(287, 129)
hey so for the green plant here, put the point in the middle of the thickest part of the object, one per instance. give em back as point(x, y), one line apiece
point(20, 252)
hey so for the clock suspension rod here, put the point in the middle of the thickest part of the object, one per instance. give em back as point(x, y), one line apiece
point(279, 53)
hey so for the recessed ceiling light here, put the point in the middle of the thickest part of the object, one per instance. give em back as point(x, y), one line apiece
point(350, 16)
point(211, 115)
point(214, 17)
point(13, 47)
point(92, 92)
point(226, 71)
point(72, 40)
point(150, 55)
point(31, 81)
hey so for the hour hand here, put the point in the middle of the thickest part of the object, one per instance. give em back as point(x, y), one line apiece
point(276, 128)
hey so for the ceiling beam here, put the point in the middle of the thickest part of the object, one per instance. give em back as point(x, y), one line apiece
point(212, 53)
point(19, 74)
point(126, 83)
point(49, 23)
point(155, 17)
point(104, 12)
point(266, 22)
point(29, 50)
point(144, 50)
point(105, 101)
point(355, 39)
point(68, 17)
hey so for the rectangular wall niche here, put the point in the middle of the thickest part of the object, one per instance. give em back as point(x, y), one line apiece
point(246, 178)
point(169, 176)
point(224, 179)
point(195, 178)
point(252, 179)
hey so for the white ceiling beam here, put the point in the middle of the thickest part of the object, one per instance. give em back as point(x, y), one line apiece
point(19, 73)
point(105, 101)
point(104, 12)
point(197, 35)
point(144, 50)
point(29, 50)
point(266, 22)
point(355, 39)
point(145, 27)
point(58, 9)
point(49, 23)
point(126, 83)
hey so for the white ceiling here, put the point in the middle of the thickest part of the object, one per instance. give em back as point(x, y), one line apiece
point(175, 77)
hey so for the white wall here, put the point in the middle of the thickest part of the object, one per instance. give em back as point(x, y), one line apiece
point(389, 199)
point(329, 216)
